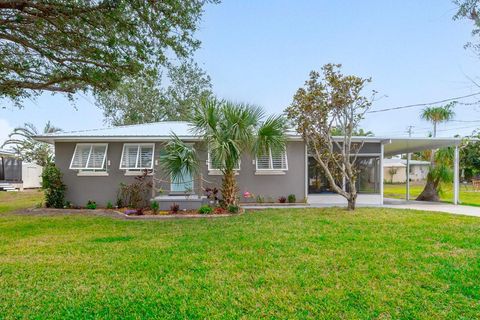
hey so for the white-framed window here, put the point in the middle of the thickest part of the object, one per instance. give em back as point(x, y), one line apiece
point(215, 165)
point(137, 156)
point(89, 157)
point(273, 161)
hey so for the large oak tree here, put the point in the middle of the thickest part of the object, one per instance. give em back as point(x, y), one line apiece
point(75, 45)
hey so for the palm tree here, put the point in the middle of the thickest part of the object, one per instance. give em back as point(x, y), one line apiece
point(21, 141)
point(441, 173)
point(229, 130)
point(437, 115)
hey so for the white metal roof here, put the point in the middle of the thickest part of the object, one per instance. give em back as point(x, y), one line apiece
point(158, 131)
point(396, 162)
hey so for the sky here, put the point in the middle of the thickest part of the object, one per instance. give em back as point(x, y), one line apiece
point(261, 52)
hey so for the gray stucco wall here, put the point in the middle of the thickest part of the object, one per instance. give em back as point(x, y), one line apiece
point(273, 186)
point(102, 189)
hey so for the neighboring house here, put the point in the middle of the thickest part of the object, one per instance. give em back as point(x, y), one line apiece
point(95, 162)
point(395, 170)
point(18, 175)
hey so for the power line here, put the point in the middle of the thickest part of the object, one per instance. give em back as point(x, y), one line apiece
point(424, 104)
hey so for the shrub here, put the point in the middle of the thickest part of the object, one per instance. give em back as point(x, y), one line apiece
point(205, 209)
point(91, 205)
point(53, 187)
point(212, 194)
point(155, 207)
point(109, 205)
point(260, 199)
point(292, 198)
point(233, 209)
point(174, 208)
point(282, 199)
point(67, 205)
point(135, 195)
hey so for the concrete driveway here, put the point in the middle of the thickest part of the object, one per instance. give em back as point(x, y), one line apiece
point(432, 206)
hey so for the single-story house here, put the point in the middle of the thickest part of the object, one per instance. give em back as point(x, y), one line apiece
point(95, 162)
point(16, 174)
point(395, 170)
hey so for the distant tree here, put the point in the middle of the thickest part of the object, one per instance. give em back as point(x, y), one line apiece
point(469, 9)
point(438, 172)
point(70, 46)
point(357, 133)
point(437, 115)
point(392, 172)
point(320, 107)
point(143, 99)
point(28, 149)
point(470, 157)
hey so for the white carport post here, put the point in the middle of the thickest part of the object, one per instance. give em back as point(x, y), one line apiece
point(407, 195)
point(456, 175)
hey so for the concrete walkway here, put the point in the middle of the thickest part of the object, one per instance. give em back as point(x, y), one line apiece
point(432, 206)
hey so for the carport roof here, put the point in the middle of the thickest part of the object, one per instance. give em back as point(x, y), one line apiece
point(394, 146)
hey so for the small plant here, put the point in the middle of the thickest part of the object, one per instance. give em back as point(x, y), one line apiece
point(292, 198)
point(260, 199)
point(109, 205)
point(155, 207)
point(92, 205)
point(67, 205)
point(39, 205)
point(233, 209)
point(218, 210)
point(205, 209)
point(282, 199)
point(139, 212)
point(174, 208)
point(130, 211)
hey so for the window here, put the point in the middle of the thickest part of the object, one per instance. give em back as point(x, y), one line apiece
point(215, 165)
point(137, 156)
point(272, 161)
point(89, 157)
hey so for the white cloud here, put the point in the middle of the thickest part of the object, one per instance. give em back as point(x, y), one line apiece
point(5, 130)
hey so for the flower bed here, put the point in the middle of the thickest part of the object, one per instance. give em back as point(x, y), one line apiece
point(177, 212)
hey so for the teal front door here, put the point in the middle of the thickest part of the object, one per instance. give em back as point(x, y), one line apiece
point(184, 184)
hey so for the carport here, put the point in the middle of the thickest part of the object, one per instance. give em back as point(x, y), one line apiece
point(398, 146)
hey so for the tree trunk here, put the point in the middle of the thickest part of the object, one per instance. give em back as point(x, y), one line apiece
point(430, 192)
point(229, 188)
point(352, 201)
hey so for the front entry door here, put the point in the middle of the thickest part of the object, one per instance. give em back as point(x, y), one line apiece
point(184, 184)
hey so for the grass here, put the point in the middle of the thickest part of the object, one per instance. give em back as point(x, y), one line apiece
point(10, 201)
point(467, 195)
point(284, 263)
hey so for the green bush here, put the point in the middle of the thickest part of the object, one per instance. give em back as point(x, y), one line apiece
point(292, 198)
point(233, 209)
point(205, 209)
point(155, 207)
point(53, 187)
point(109, 205)
point(92, 205)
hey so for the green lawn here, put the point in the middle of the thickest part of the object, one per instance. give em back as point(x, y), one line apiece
point(17, 200)
point(285, 263)
point(467, 195)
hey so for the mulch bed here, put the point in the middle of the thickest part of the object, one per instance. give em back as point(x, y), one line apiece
point(117, 214)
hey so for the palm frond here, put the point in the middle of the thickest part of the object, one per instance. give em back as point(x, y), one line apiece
point(179, 159)
point(271, 135)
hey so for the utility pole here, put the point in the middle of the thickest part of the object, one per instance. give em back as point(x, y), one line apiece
point(407, 195)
